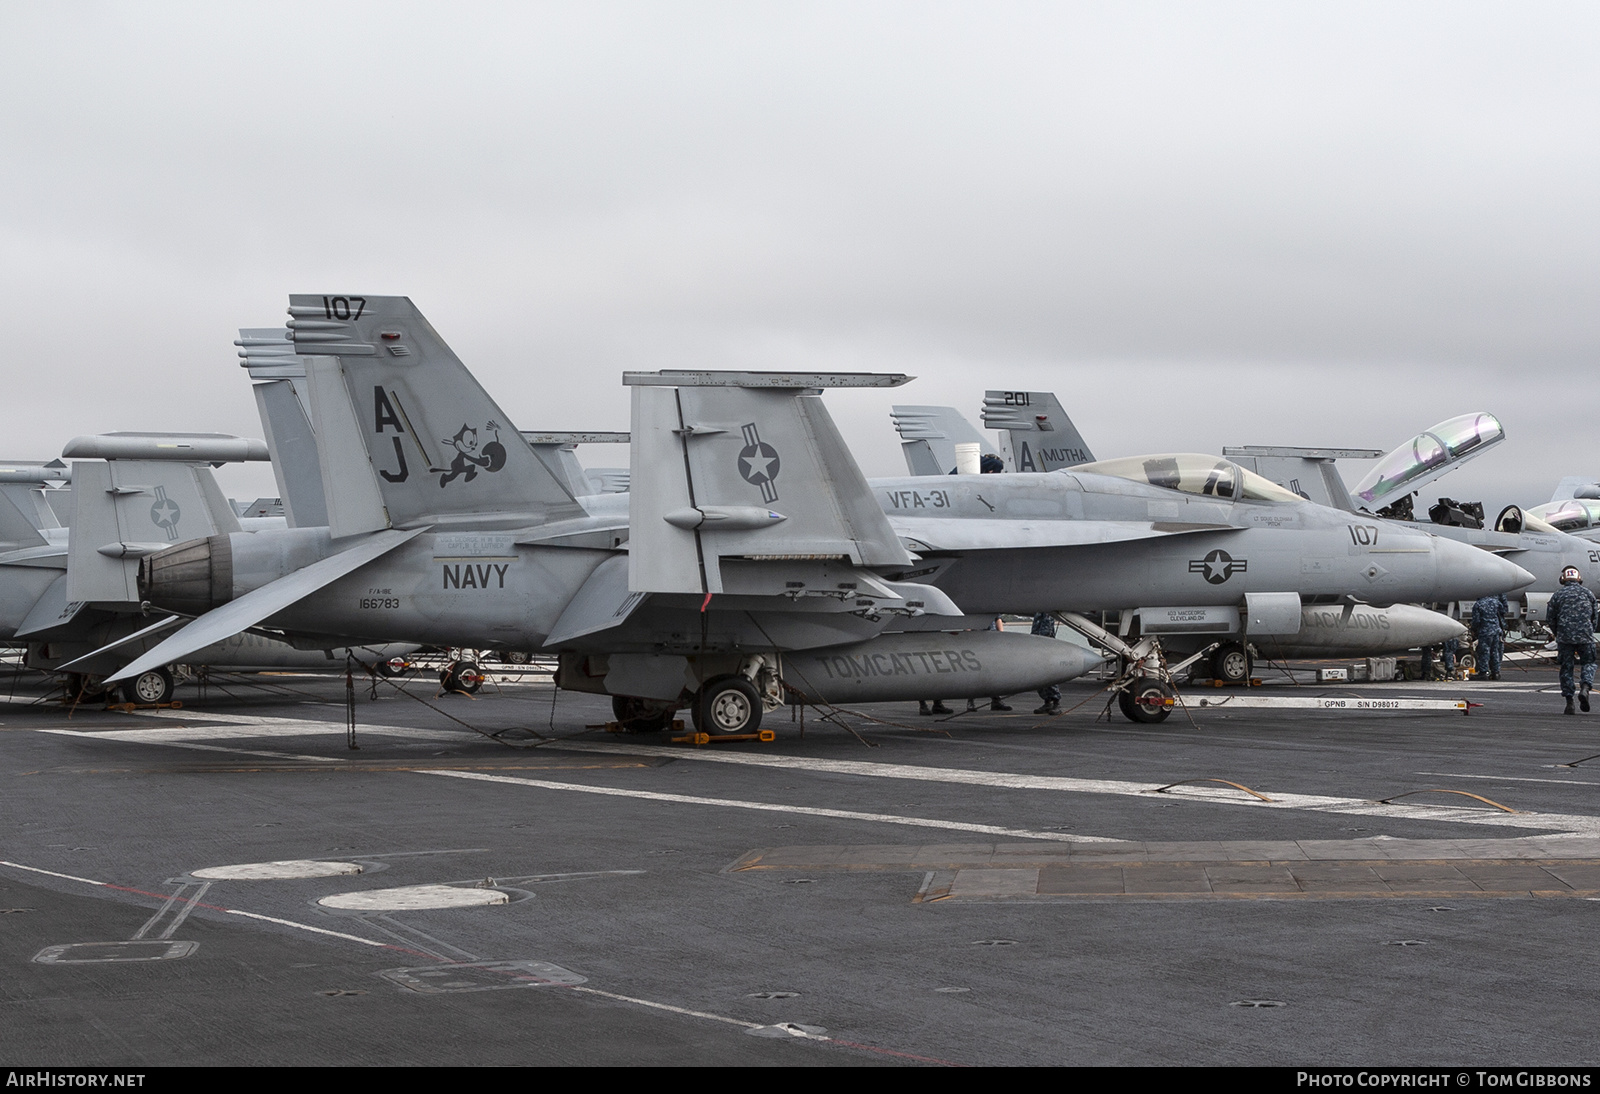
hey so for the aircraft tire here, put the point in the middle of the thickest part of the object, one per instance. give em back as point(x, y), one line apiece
point(462, 676)
point(1231, 663)
point(727, 706)
point(1136, 706)
point(155, 686)
point(85, 687)
point(395, 666)
point(516, 657)
point(637, 715)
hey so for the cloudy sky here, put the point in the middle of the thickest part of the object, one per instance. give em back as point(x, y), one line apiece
point(1202, 225)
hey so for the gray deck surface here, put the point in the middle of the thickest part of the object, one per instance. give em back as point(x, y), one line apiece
point(990, 889)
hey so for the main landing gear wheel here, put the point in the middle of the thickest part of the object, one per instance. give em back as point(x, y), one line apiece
point(154, 686)
point(462, 676)
point(637, 715)
point(727, 706)
point(395, 666)
point(1231, 663)
point(516, 657)
point(1147, 700)
point(80, 686)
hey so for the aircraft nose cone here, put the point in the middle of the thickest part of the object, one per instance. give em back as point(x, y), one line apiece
point(1466, 572)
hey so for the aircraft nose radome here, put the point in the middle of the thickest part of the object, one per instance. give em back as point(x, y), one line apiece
point(1466, 572)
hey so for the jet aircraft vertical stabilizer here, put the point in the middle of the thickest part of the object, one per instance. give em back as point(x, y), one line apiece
point(406, 436)
point(929, 435)
point(17, 528)
point(1042, 437)
point(283, 399)
point(125, 509)
point(745, 465)
point(1309, 472)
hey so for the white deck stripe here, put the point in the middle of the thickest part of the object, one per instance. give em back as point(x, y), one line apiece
point(51, 873)
point(771, 807)
point(307, 927)
point(190, 901)
point(153, 737)
point(1576, 824)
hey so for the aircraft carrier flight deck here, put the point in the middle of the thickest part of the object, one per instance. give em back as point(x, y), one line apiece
point(500, 880)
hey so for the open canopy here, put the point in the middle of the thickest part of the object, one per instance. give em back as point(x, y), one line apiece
point(1426, 456)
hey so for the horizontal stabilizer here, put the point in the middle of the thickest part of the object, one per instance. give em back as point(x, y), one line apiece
point(268, 600)
point(601, 603)
point(139, 635)
point(50, 611)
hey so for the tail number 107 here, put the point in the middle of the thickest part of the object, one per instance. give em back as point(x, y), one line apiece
point(1363, 535)
point(338, 307)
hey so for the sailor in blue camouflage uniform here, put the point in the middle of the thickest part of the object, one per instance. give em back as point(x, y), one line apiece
point(1045, 624)
point(1488, 630)
point(1571, 614)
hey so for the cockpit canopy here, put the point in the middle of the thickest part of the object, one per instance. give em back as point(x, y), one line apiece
point(1572, 515)
point(1193, 473)
point(1426, 456)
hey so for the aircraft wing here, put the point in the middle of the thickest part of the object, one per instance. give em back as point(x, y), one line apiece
point(258, 604)
point(945, 534)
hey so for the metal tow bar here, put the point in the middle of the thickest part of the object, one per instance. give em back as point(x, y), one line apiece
point(1297, 702)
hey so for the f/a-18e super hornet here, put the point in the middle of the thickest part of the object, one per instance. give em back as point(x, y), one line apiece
point(1197, 550)
point(1178, 535)
point(749, 557)
point(66, 593)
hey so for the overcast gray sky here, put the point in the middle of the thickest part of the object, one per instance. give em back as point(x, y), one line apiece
point(1201, 224)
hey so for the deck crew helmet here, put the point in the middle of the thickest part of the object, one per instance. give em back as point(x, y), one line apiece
point(1570, 575)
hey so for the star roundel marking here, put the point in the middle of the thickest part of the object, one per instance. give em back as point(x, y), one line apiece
point(759, 464)
point(164, 513)
point(1218, 566)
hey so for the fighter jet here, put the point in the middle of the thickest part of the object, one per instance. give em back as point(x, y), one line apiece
point(64, 596)
point(1526, 537)
point(1371, 612)
point(1175, 544)
point(755, 561)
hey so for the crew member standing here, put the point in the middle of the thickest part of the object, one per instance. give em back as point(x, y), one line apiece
point(1045, 624)
point(1489, 632)
point(1571, 614)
